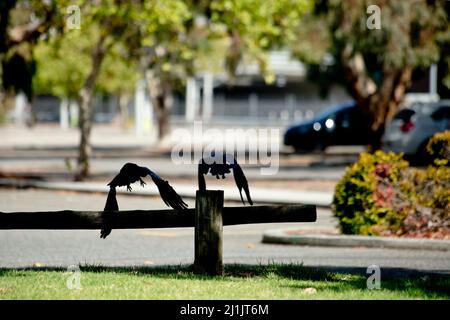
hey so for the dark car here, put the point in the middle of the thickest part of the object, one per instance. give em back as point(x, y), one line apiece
point(340, 125)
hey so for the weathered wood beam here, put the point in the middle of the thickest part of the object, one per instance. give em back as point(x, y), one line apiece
point(137, 219)
point(208, 232)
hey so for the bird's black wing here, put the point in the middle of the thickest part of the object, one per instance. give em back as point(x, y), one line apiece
point(111, 205)
point(168, 194)
point(241, 181)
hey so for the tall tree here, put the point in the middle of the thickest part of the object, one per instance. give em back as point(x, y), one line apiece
point(254, 27)
point(177, 34)
point(167, 37)
point(167, 53)
point(378, 63)
point(111, 18)
point(22, 23)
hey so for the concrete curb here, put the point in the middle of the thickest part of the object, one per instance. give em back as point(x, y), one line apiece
point(282, 236)
point(259, 195)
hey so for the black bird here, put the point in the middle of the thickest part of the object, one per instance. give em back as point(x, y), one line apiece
point(219, 169)
point(130, 173)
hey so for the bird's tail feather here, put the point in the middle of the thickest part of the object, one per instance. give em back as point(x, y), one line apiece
point(247, 193)
point(168, 194)
point(241, 182)
point(111, 205)
point(242, 199)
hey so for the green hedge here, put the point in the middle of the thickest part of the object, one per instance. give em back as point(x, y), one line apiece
point(439, 148)
point(381, 195)
point(363, 200)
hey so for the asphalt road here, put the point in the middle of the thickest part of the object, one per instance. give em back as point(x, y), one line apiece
point(52, 152)
point(166, 168)
point(242, 244)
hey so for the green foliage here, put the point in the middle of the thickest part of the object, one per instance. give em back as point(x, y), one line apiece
point(64, 59)
point(22, 23)
point(429, 197)
point(162, 35)
point(410, 31)
point(312, 40)
point(63, 64)
point(118, 75)
point(273, 281)
point(439, 147)
point(181, 37)
point(170, 39)
point(253, 27)
point(261, 24)
point(364, 198)
point(381, 195)
point(412, 34)
point(432, 189)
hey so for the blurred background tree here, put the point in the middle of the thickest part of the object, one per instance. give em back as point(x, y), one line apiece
point(62, 64)
point(168, 51)
point(377, 63)
point(72, 60)
point(22, 23)
point(177, 34)
point(167, 42)
point(253, 28)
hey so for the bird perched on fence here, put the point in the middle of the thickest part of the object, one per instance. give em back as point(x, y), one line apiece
point(131, 173)
point(220, 164)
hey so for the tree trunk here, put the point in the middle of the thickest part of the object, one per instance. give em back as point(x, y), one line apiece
point(162, 100)
point(233, 55)
point(124, 99)
point(379, 103)
point(85, 125)
point(3, 93)
point(85, 105)
point(383, 105)
point(163, 109)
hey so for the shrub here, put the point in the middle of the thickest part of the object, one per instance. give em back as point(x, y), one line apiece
point(429, 214)
point(365, 200)
point(381, 195)
point(439, 148)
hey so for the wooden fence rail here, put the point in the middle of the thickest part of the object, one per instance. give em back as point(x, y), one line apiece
point(208, 218)
point(136, 219)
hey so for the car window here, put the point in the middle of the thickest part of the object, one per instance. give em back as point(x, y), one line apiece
point(331, 112)
point(404, 114)
point(441, 114)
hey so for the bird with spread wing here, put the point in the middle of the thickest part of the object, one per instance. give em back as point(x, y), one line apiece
point(131, 173)
point(220, 164)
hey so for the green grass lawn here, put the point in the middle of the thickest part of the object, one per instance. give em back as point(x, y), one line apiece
point(239, 282)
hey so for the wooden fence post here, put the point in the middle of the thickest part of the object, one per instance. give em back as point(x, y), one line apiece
point(208, 232)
